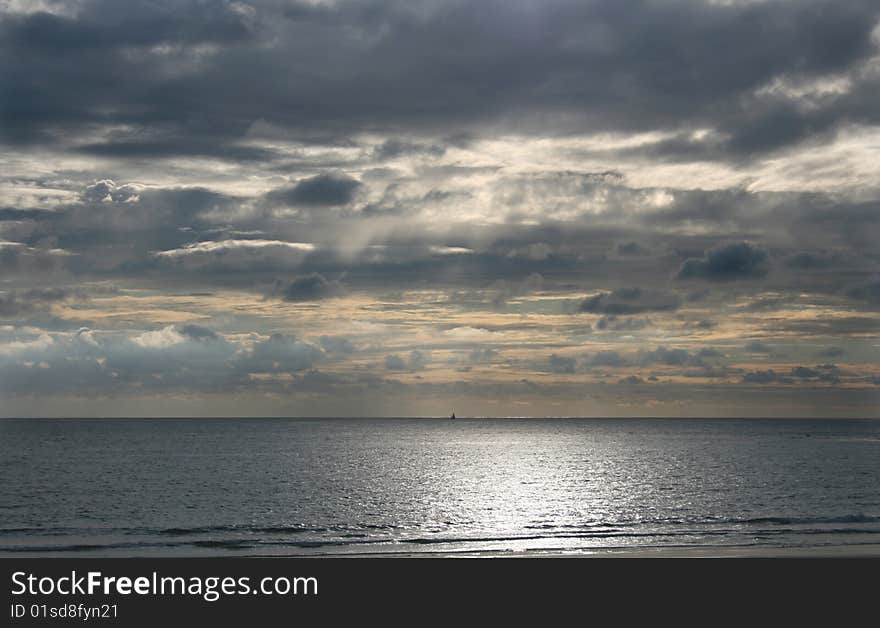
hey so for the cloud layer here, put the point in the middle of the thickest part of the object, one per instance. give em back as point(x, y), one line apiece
point(374, 207)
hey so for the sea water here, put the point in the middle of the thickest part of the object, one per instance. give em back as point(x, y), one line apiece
point(188, 487)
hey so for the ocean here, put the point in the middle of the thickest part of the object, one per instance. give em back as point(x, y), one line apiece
point(208, 487)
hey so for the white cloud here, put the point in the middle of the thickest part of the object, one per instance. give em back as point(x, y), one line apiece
point(42, 343)
point(450, 250)
point(166, 337)
point(468, 333)
point(213, 246)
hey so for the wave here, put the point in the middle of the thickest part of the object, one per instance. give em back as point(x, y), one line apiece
point(689, 537)
point(198, 530)
point(858, 518)
point(671, 521)
point(311, 537)
point(233, 528)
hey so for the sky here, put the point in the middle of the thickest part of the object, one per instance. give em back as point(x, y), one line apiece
point(388, 208)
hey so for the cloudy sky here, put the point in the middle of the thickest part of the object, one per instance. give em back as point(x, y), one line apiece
point(397, 207)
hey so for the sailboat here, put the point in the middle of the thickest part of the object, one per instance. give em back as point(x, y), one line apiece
point(453, 414)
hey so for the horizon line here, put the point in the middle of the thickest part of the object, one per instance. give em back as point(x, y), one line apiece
point(445, 418)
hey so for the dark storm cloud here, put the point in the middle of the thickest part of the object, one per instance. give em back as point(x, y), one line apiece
point(106, 25)
point(766, 377)
point(177, 148)
point(85, 362)
point(560, 364)
point(18, 303)
point(842, 231)
point(389, 149)
point(176, 232)
point(280, 353)
point(199, 333)
point(701, 324)
point(115, 228)
point(631, 380)
point(757, 347)
point(394, 202)
point(69, 72)
point(866, 291)
point(670, 357)
point(312, 287)
point(29, 305)
point(188, 357)
point(630, 248)
point(728, 208)
point(17, 258)
point(829, 326)
point(607, 358)
point(764, 304)
point(483, 355)
point(709, 353)
point(415, 362)
point(20, 214)
point(616, 323)
point(803, 374)
point(337, 344)
point(323, 190)
point(740, 260)
point(342, 67)
point(630, 301)
point(807, 260)
point(852, 226)
point(497, 293)
point(395, 363)
point(111, 211)
point(697, 296)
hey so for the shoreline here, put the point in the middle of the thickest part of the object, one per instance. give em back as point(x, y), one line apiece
point(830, 551)
point(868, 550)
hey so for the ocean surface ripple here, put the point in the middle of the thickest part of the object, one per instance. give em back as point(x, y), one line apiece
point(127, 487)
